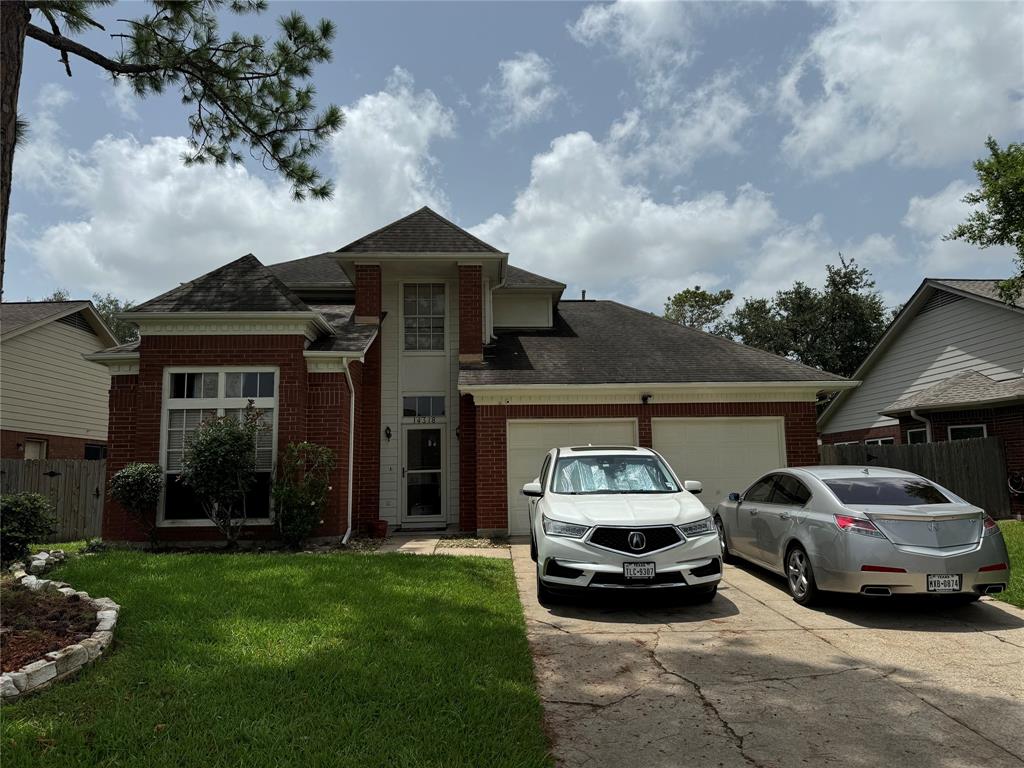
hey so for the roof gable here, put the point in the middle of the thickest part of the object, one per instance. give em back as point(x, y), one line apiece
point(320, 270)
point(244, 285)
point(423, 231)
point(18, 317)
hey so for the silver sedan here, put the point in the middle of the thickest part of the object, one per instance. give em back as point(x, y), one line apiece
point(867, 530)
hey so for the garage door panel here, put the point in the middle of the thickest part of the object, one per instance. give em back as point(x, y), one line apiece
point(529, 441)
point(725, 454)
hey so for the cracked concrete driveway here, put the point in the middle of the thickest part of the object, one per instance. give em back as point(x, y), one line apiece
point(755, 680)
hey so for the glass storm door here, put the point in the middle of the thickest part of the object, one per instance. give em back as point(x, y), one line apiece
point(424, 475)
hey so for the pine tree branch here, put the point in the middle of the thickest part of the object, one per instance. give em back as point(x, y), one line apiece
point(60, 43)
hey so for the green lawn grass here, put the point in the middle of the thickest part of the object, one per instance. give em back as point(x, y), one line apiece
point(70, 547)
point(1013, 535)
point(293, 660)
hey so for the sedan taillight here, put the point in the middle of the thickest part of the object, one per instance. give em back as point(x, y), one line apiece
point(990, 526)
point(858, 525)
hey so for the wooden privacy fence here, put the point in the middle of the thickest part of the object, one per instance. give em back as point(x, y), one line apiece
point(75, 488)
point(974, 469)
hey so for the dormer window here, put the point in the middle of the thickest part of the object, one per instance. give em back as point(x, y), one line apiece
point(423, 314)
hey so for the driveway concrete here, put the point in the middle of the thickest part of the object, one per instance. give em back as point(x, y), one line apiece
point(753, 679)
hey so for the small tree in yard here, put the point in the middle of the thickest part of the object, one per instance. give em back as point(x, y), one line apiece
point(25, 518)
point(220, 467)
point(300, 491)
point(137, 489)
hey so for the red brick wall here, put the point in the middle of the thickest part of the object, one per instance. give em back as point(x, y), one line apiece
point(12, 445)
point(303, 399)
point(470, 312)
point(467, 464)
point(491, 471)
point(860, 435)
point(366, 472)
point(367, 291)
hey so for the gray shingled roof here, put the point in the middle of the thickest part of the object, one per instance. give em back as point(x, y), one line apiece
point(604, 342)
point(520, 278)
point(988, 289)
point(244, 285)
point(419, 232)
point(967, 388)
point(15, 315)
point(320, 270)
point(348, 337)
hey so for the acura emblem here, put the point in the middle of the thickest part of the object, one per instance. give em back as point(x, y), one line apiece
point(637, 540)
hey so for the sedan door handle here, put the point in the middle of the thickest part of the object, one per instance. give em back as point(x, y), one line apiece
point(752, 511)
point(783, 516)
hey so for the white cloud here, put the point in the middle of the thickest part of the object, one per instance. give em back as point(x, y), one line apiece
point(523, 93)
point(121, 97)
point(930, 218)
point(919, 84)
point(654, 38)
point(142, 221)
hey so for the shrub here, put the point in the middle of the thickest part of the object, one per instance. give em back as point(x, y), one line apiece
point(300, 490)
point(137, 489)
point(25, 518)
point(220, 467)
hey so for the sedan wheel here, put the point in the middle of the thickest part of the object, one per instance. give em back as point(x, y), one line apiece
point(800, 577)
point(726, 557)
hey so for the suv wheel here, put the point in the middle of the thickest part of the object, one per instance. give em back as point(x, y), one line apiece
point(726, 557)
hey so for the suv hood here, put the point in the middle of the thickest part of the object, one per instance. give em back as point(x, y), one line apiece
point(628, 509)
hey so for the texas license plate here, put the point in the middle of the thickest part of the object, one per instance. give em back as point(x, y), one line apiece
point(638, 571)
point(944, 582)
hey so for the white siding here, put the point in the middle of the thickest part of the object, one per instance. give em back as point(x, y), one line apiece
point(964, 335)
point(522, 310)
point(46, 386)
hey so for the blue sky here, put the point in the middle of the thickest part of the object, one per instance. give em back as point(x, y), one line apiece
point(632, 149)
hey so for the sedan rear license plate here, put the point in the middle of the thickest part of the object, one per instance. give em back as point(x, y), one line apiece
point(944, 582)
point(638, 571)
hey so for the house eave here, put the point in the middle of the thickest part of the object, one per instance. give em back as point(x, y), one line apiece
point(229, 323)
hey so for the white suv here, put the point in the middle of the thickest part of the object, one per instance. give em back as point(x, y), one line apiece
point(618, 518)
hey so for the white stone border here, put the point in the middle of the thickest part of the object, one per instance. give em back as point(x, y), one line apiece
point(57, 665)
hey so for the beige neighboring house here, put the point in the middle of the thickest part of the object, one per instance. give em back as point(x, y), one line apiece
point(53, 402)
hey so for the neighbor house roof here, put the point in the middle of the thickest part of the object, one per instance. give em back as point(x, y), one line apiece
point(604, 342)
point(318, 271)
point(423, 231)
point(986, 289)
point(348, 337)
point(520, 278)
point(244, 285)
point(967, 389)
point(18, 317)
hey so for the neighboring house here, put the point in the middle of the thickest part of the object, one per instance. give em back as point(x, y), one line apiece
point(53, 402)
point(440, 375)
point(950, 366)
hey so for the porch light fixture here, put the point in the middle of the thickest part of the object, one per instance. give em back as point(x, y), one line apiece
point(387, 434)
point(645, 398)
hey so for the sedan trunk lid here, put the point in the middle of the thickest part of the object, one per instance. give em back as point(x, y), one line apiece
point(934, 525)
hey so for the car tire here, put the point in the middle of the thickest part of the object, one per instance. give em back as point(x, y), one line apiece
point(800, 576)
point(726, 556)
point(533, 548)
point(545, 595)
point(705, 595)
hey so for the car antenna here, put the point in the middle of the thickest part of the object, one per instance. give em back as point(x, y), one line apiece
point(865, 470)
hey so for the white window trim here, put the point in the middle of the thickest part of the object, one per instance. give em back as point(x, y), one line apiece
point(878, 441)
point(401, 319)
point(218, 403)
point(951, 427)
point(913, 431)
point(848, 442)
point(412, 419)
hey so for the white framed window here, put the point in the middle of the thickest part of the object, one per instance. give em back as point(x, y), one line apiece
point(427, 408)
point(35, 449)
point(849, 442)
point(966, 431)
point(191, 396)
point(915, 436)
point(423, 317)
point(881, 441)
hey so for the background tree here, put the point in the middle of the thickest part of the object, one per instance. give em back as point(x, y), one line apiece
point(698, 308)
point(1001, 219)
point(244, 92)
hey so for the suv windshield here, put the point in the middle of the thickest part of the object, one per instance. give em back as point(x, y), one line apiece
point(612, 474)
point(886, 491)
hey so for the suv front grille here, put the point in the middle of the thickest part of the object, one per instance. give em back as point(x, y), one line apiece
point(618, 539)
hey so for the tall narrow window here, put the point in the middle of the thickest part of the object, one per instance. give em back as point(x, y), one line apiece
point(196, 396)
point(423, 313)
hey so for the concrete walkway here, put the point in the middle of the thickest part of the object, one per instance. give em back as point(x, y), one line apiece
point(418, 544)
point(753, 679)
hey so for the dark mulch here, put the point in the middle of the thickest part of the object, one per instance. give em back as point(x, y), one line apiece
point(34, 623)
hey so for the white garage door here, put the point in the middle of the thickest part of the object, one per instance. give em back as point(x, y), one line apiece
point(726, 454)
point(529, 441)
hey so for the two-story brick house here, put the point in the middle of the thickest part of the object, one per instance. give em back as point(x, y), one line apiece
point(439, 374)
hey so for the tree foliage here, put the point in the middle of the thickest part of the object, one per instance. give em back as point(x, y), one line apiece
point(108, 307)
point(698, 308)
point(300, 490)
point(999, 219)
point(137, 488)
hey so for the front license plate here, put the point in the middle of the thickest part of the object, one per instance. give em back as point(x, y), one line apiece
point(944, 582)
point(638, 571)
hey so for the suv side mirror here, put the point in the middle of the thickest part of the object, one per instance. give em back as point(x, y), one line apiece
point(533, 490)
point(734, 496)
point(693, 486)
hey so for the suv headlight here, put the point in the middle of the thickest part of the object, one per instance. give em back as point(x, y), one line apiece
point(705, 527)
point(558, 528)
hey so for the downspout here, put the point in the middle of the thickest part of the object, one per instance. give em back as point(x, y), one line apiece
point(927, 424)
point(351, 447)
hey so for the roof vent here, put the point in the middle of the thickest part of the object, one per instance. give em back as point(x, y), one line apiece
point(939, 299)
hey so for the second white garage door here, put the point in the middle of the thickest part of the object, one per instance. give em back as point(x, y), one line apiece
point(529, 441)
point(725, 454)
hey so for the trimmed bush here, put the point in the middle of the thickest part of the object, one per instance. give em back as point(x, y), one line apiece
point(25, 518)
point(137, 489)
point(300, 490)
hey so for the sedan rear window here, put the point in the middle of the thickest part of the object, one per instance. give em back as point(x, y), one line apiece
point(886, 491)
point(612, 474)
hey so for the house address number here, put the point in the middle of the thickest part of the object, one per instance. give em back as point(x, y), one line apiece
point(425, 420)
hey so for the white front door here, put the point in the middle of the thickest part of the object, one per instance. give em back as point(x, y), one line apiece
point(423, 474)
